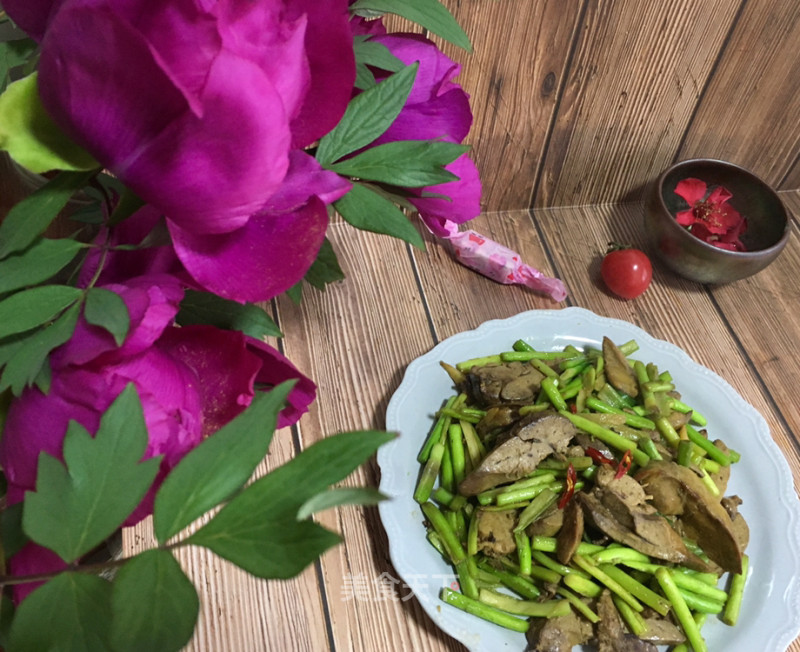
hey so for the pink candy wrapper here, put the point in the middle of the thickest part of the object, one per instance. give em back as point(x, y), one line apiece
point(500, 264)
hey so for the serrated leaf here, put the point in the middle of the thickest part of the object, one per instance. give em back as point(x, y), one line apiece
point(430, 14)
point(325, 269)
point(70, 612)
point(219, 466)
point(154, 604)
point(213, 310)
point(367, 116)
point(31, 137)
point(27, 362)
point(29, 218)
point(407, 163)
point(337, 497)
point(258, 530)
point(39, 262)
point(107, 310)
point(31, 308)
point(367, 210)
point(80, 503)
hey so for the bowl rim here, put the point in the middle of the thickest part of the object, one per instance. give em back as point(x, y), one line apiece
point(685, 234)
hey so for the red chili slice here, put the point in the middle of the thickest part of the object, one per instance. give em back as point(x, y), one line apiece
point(598, 456)
point(572, 478)
point(624, 465)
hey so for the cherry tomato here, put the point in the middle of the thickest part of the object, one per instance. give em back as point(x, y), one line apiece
point(626, 271)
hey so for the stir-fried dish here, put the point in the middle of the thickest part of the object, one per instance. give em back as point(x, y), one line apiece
point(582, 502)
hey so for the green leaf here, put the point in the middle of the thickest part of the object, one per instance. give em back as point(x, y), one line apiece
point(407, 163)
point(39, 262)
point(371, 53)
point(31, 137)
point(13, 537)
point(430, 14)
point(6, 616)
point(219, 466)
point(31, 308)
point(375, 54)
point(339, 496)
point(211, 309)
point(154, 604)
point(28, 357)
point(77, 506)
point(325, 268)
point(258, 530)
point(364, 77)
point(70, 612)
point(295, 293)
point(18, 51)
point(29, 218)
point(106, 309)
point(367, 116)
point(367, 210)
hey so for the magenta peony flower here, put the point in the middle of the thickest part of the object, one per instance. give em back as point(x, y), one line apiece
point(197, 107)
point(437, 108)
point(191, 382)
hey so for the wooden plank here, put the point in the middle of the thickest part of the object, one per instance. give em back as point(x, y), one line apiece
point(459, 299)
point(630, 92)
point(761, 310)
point(748, 115)
point(514, 77)
point(355, 340)
point(239, 611)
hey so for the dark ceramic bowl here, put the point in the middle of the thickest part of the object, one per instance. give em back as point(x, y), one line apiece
point(690, 257)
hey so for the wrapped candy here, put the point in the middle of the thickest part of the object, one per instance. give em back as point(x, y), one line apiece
point(500, 264)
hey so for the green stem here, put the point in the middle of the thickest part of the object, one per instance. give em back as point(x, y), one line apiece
point(484, 611)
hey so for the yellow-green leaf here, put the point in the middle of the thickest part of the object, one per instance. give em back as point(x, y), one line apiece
point(31, 137)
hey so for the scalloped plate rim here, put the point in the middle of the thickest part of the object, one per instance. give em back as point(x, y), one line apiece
point(410, 553)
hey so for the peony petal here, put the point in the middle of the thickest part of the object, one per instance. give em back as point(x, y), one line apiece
point(37, 423)
point(33, 559)
point(447, 117)
point(32, 16)
point(305, 178)
point(691, 190)
point(276, 369)
point(146, 131)
point(329, 47)
point(436, 70)
point(466, 194)
point(436, 107)
point(260, 32)
point(210, 174)
point(224, 370)
point(259, 261)
point(152, 303)
point(71, 80)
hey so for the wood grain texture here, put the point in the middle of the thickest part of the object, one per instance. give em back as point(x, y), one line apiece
point(355, 341)
point(748, 113)
point(514, 77)
point(631, 89)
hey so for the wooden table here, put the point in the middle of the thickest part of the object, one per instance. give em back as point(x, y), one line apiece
point(355, 340)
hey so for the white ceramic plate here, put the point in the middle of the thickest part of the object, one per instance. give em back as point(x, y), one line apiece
point(770, 615)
